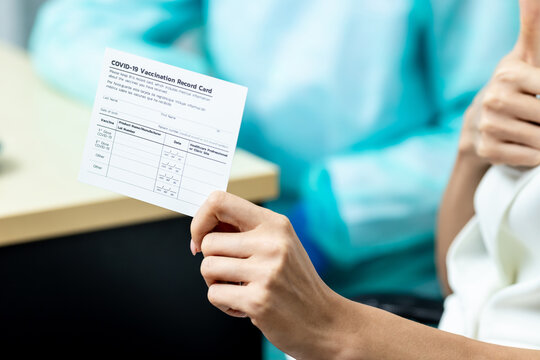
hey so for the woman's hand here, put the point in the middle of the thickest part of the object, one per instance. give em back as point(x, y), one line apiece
point(502, 126)
point(258, 268)
point(255, 266)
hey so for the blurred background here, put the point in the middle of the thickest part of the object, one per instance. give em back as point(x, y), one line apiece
point(16, 20)
point(344, 98)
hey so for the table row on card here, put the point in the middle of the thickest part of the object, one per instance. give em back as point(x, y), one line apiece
point(108, 124)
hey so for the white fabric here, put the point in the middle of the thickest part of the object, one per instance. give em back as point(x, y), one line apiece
point(494, 263)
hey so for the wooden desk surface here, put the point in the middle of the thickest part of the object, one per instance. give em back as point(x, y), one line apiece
point(42, 135)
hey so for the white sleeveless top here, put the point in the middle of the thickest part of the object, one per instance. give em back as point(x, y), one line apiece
point(494, 263)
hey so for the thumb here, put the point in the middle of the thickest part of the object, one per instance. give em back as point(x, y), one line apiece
point(528, 44)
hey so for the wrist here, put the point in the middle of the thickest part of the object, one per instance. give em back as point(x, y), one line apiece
point(347, 332)
point(470, 160)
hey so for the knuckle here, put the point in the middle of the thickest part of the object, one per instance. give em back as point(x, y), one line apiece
point(207, 243)
point(272, 248)
point(487, 126)
point(283, 223)
point(207, 266)
point(483, 149)
point(216, 199)
point(260, 304)
point(275, 272)
point(277, 248)
point(495, 100)
point(508, 74)
point(212, 295)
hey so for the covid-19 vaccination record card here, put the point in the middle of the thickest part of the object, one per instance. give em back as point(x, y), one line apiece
point(161, 134)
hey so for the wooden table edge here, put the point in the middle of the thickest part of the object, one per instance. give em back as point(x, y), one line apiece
point(116, 212)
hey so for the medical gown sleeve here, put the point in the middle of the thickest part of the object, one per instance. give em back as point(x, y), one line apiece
point(373, 202)
point(69, 38)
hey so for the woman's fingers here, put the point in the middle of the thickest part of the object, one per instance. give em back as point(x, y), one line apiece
point(220, 269)
point(503, 130)
point(527, 107)
point(222, 207)
point(508, 153)
point(229, 298)
point(508, 129)
point(237, 245)
point(514, 105)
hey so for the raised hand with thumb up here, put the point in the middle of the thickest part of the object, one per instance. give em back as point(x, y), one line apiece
point(502, 126)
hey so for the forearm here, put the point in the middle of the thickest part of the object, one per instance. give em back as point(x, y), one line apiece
point(457, 206)
point(394, 206)
point(371, 333)
point(72, 35)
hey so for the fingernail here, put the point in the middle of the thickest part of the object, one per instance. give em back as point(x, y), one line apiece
point(192, 248)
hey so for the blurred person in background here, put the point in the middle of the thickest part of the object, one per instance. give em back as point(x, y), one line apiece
point(359, 102)
point(487, 244)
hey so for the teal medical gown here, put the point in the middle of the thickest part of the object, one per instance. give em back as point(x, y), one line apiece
point(358, 101)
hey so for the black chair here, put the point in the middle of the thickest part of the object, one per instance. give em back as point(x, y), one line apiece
point(422, 310)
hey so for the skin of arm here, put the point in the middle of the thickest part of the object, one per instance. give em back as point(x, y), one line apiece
point(256, 267)
point(456, 208)
point(457, 203)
